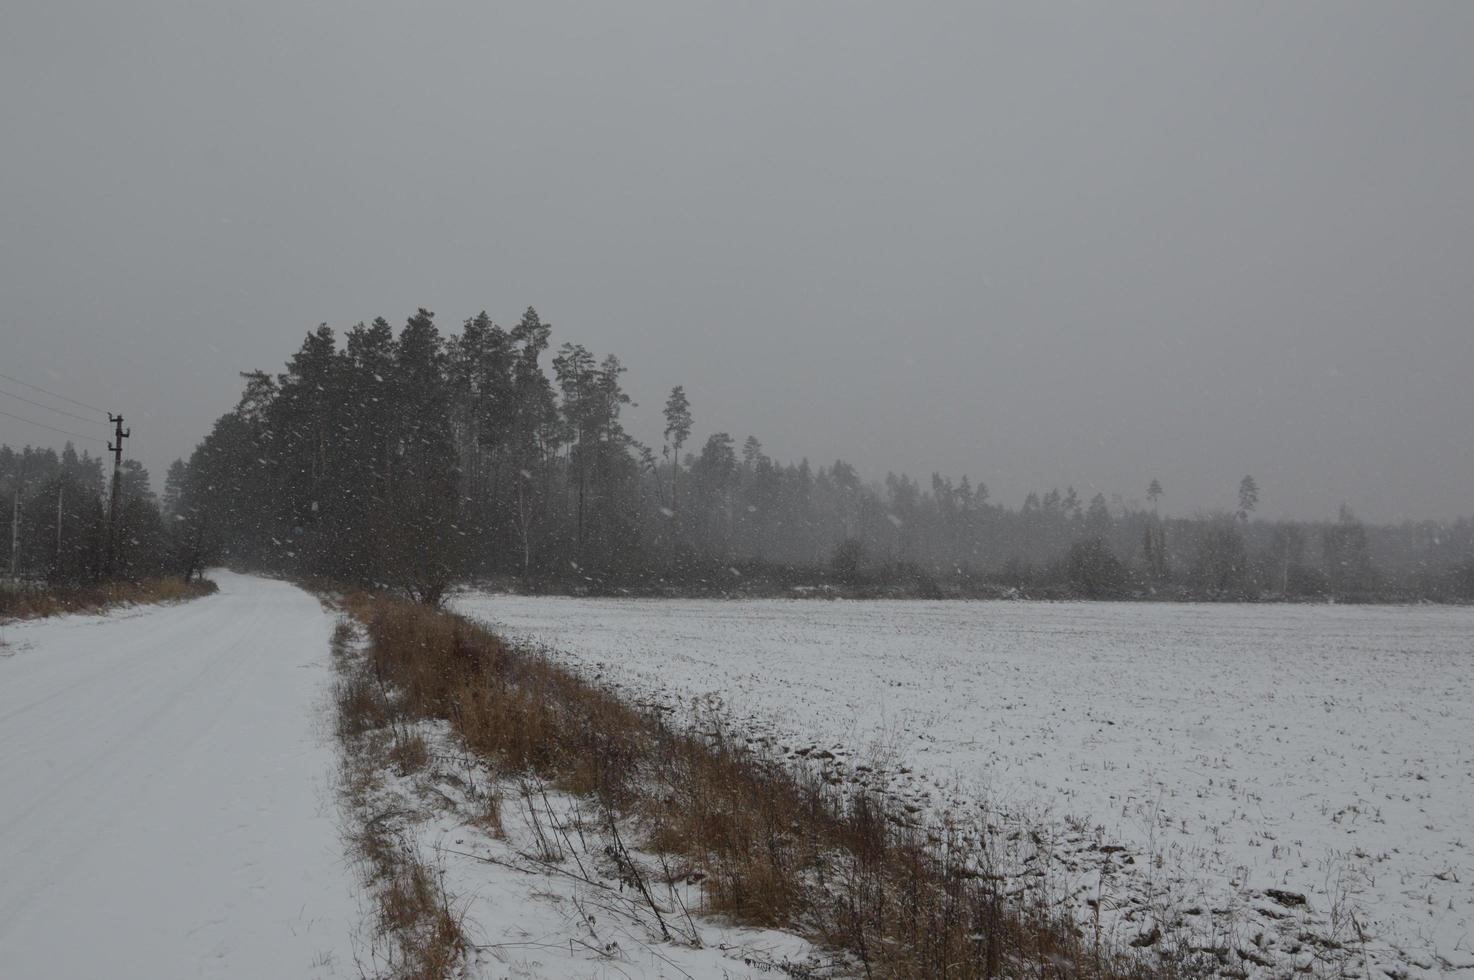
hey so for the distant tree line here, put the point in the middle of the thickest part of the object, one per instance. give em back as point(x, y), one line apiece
point(415, 459)
point(53, 521)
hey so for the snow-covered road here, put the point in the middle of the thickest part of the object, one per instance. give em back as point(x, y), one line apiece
point(166, 805)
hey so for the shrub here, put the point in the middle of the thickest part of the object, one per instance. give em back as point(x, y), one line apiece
point(1094, 571)
point(847, 560)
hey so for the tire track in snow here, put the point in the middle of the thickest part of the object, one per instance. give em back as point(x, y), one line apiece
point(168, 808)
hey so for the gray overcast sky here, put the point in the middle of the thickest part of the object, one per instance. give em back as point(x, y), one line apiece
point(1042, 244)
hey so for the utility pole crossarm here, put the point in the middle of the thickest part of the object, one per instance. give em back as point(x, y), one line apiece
point(119, 434)
point(116, 448)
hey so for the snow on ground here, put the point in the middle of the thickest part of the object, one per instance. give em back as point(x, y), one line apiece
point(544, 900)
point(548, 891)
point(166, 806)
point(1249, 754)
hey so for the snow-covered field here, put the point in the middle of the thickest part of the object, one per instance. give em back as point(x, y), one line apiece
point(166, 798)
point(1243, 755)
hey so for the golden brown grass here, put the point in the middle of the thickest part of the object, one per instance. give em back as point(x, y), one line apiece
point(413, 910)
point(774, 846)
point(416, 929)
point(34, 604)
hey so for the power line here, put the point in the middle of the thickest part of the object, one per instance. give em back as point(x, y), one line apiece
point(48, 391)
point(59, 411)
point(65, 432)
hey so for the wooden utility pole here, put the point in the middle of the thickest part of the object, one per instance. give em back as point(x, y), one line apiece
point(15, 532)
point(116, 448)
point(20, 478)
point(60, 487)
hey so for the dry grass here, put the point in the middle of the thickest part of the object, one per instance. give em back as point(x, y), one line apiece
point(417, 931)
point(414, 915)
point(361, 706)
point(409, 754)
point(49, 601)
point(774, 846)
point(415, 908)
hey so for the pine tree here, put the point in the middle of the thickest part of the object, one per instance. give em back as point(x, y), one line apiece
point(534, 435)
point(1248, 497)
point(1098, 518)
point(482, 392)
point(1221, 563)
point(427, 543)
point(751, 451)
point(174, 480)
point(74, 555)
point(677, 430)
point(1347, 554)
point(369, 426)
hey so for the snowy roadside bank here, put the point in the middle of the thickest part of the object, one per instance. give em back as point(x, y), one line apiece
point(479, 874)
point(40, 600)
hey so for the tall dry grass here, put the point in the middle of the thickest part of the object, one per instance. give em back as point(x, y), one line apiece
point(773, 846)
point(55, 601)
point(416, 929)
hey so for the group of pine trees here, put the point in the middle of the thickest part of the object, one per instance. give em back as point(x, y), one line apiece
point(54, 522)
point(414, 459)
